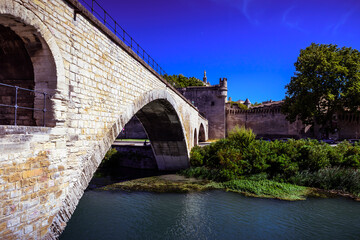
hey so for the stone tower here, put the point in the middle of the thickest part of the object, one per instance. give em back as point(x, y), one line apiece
point(247, 103)
point(210, 100)
point(205, 78)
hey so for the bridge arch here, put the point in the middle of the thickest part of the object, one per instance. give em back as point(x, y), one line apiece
point(30, 59)
point(202, 135)
point(158, 112)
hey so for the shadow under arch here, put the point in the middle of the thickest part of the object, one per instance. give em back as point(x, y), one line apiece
point(30, 59)
point(157, 112)
point(202, 136)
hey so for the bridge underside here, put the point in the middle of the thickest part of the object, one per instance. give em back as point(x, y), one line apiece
point(165, 132)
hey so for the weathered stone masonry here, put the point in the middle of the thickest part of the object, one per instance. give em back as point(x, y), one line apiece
point(97, 84)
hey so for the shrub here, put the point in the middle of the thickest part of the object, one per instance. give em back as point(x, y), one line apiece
point(230, 159)
point(197, 156)
point(241, 137)
point(314, 157)
point(256, 154)
point(281, 166)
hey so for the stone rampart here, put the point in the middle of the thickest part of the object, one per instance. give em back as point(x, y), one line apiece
point(264, 121)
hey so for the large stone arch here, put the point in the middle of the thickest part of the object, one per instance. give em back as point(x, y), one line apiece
point(147, 101)
point(46, 59)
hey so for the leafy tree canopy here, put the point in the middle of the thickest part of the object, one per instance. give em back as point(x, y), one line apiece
point(180, 81)
point(326, 81)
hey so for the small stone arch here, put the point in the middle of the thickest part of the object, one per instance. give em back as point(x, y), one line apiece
point(27, 40)
point(195, 138)
point(202, 136)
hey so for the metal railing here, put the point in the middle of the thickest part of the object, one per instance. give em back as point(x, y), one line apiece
point(16, 106)
point(100, 13)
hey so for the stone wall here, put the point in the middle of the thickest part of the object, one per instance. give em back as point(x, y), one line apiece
point(264, 121)
point(348, 125)
point(96, 85)
point(268, 121)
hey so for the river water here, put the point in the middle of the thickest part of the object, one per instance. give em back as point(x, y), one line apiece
point(210, 215)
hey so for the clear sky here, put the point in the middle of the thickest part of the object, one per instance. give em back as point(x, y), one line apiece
point(253, 43)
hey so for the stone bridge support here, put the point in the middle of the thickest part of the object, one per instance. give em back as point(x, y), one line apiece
point(97, 84)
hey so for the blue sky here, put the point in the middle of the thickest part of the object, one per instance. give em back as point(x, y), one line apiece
point(253, 43)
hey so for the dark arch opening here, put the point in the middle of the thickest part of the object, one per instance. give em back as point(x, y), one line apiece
point(27, 71)
point(164, 129)
point(202, 133)
point(16, 69)
point(134, 147)
point(195, 138)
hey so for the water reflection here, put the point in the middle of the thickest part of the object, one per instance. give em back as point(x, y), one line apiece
point(210, 215)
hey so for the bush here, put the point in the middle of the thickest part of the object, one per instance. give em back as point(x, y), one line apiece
point(314, 158)
point(197, 156)
point(257, 154)
point(301, 161)
point(241, 137)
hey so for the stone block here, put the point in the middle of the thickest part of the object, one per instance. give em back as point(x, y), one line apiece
point(32, 173)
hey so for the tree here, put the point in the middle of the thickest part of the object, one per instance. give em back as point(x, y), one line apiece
point(180, 81)
point(326, 82)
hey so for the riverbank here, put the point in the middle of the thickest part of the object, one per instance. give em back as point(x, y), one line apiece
point(173, 183)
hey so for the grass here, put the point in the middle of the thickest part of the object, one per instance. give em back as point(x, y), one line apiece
point(268, 189)
point(335, 179)
point(165, 183)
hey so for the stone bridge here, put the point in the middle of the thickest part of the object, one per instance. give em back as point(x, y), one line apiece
point(95, 85)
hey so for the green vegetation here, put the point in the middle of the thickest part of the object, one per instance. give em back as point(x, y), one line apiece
point(302, 162)
point(326, 82)
point(285, 170)
point(240, 105)
point(268, 189)
point(255, 185)
point(178, 184)
point(110, 158)
point(339, 179)
point(180, 81)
